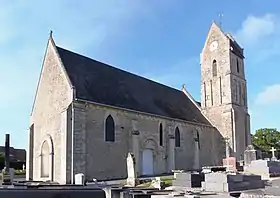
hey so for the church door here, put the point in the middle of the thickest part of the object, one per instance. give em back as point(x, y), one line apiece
point(147, 162)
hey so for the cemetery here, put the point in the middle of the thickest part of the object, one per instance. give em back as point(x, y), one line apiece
point(82, 138)
point(216, 181)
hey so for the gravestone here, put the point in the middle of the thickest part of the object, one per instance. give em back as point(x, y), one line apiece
point(187, 180)
point(273, 154)
point(157, 183)
point(249, 155)
point(131, 173)
point(230, 163)
point(264, 168)
point(79, 179)
point(223, 182)
point(258, 167)
point(53, 192)
point(175, 172)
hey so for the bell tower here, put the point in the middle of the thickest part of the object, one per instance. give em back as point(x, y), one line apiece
point(224, 89)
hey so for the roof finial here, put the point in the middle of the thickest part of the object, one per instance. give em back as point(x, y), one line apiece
point(51, 33)
point(220, 19)
point(183, 86)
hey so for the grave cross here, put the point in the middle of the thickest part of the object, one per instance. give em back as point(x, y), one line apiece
point(273, 152)
point(7, 152)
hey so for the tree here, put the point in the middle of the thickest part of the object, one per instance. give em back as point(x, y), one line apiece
point(266, 138)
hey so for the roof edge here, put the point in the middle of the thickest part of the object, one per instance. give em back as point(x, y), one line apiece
point(52, 43)
point(40, 75)
point(213, 25)
point(60, 61)
point(190, 97)
point(144, 113)
point(184, 90)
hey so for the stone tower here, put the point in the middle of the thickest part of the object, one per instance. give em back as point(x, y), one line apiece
point(224, 89)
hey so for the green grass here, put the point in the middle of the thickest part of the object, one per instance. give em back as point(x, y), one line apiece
point(166, 180)
point(19, 172)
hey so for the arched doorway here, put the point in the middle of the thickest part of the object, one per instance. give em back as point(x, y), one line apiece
point(147, 162)
point(47, 159)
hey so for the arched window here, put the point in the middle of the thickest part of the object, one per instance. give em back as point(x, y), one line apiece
point(45, 159)
point(240, 93)
point(235, 91)
point(196, 139)
point(237, 65)
point(109, 129)
point(214, 68)
point(160, 135)
point(244, 94)
point(177, 137)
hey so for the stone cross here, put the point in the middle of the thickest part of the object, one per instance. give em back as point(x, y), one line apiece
point(249, 155)
point(8, 178)
point(131, 173)
point(273, 152)
point(7, 152)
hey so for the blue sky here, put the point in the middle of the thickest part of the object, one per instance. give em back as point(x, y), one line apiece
point(160, 40)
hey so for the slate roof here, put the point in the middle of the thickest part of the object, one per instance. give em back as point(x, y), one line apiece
point(236, 49)
point(98, 82)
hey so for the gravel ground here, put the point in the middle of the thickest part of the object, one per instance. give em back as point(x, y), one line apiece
point(273, 188)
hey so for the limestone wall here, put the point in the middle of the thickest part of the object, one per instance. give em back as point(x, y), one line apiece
point(53, 96)
point(224, 92)
point(107, 160)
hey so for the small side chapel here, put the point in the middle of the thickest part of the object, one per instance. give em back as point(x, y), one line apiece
point(87, 116)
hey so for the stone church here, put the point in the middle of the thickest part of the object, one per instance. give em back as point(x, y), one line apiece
point(88, 115)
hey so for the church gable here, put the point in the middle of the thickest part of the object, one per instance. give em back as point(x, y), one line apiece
point(215, 33)
point(101, 83)
point(54, 88)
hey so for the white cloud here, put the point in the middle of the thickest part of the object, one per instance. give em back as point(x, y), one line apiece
point(255, 28)
point(260, 36)
point(270, 95)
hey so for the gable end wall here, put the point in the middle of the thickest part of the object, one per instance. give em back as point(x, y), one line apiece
point(53, 97)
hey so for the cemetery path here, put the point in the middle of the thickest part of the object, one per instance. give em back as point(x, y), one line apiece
point(274, 189)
